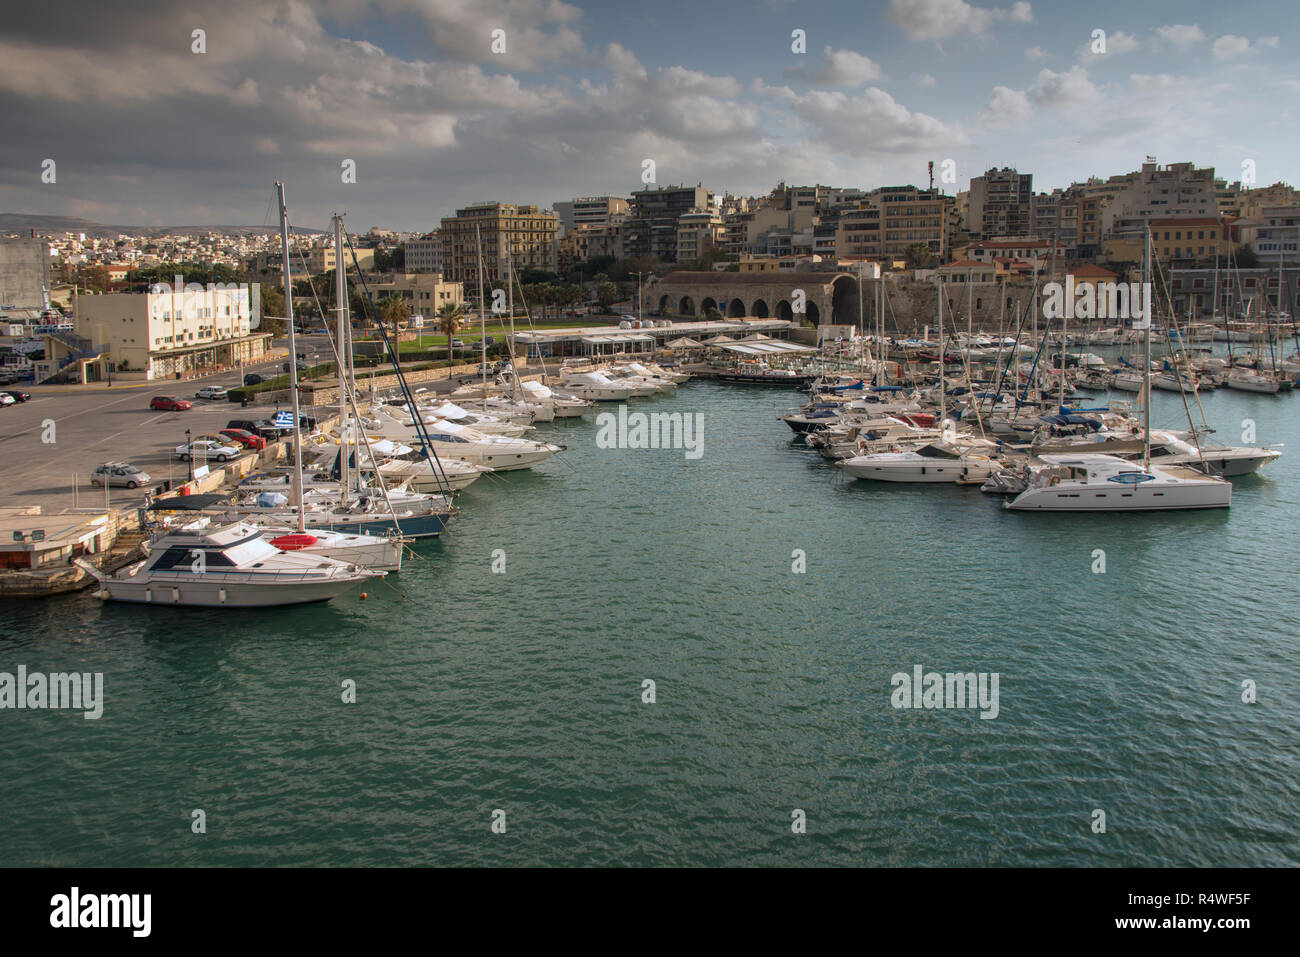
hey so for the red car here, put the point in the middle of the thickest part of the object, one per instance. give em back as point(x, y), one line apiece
point(247, 439)
point(169, 403)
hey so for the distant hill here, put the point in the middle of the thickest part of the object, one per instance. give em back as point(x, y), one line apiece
point(23, 223)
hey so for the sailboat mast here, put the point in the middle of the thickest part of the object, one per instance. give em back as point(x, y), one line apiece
point(1146, 404)
point(296, 481)
point(510, 343)
point(345, 351)
point(482, 322)
point(943, 398)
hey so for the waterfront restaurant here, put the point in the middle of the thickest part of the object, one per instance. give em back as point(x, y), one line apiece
point(628, 338)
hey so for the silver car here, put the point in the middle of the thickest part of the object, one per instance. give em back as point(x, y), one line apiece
point(119, 473)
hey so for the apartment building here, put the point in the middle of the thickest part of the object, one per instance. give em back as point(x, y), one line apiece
point(1001, 204)
point(651, 225)
point(527, 233)
point(425, 254)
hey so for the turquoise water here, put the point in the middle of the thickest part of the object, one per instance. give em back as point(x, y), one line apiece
point(522, 691)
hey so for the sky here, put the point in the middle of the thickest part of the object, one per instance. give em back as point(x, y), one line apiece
point(437, 110)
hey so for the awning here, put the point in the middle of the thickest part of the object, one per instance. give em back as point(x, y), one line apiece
point(187, 503)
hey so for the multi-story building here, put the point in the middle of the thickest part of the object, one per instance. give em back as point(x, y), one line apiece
point(1274, 233)
point(602, 211)
point(165, 333)
point(651, 225)
point(1001, 204)
point(697, 233)
point(1176, 191)
point(909, 216)
point(425, 254)
point(24, 273)
point(1179, 239)
point(527, 233)
point(320, 258)
point(426, 292)
point(584, 243)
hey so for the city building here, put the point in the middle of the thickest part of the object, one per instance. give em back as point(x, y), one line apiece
point(600, 211)
point(425, 253)
point(162, 335)
point(1001, 204)
point(24, 273)
point(426, 292)
point(527, 233)
point(651, 225)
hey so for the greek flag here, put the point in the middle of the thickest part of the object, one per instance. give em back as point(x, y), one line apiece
point(283, 420)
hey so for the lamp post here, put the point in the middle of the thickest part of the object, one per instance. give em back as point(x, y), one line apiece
point(189, 457)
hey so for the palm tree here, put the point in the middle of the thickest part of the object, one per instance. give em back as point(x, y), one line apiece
point(393, 310)
point(450, 316)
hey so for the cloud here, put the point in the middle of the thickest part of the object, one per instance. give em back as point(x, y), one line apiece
point(867, 123)
point(940, 19)
point(1006, 107)
point(1181, 36)
point(1072, 87)
point(925, 79)
point(1037, 53)
point(1229, 46)
point(840, 68)
point(1117, 43)
point(1270, 42)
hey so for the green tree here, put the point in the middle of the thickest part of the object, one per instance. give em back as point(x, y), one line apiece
point(394, 310)
point(918, 256)
point(450, 317)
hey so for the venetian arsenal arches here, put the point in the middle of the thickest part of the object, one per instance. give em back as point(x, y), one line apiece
point(806, 297)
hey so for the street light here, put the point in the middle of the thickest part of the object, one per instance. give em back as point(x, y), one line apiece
point(189, 456)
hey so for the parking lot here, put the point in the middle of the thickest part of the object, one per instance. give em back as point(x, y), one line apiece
point(114, 424)
point(58, 438)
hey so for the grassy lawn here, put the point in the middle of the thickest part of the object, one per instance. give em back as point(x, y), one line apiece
point(469, 333)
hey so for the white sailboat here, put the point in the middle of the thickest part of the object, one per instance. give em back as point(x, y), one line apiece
point(1107, 483)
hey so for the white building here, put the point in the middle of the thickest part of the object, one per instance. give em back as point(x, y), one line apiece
point(185, 331)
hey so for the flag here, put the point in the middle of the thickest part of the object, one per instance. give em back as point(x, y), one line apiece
point(283, 420)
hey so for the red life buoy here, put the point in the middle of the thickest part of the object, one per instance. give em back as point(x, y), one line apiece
point(291, 543)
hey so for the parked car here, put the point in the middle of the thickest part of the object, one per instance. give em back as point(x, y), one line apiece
point(307, 423)
point(170, 403)
point(245, 438)
point(119, 473)
point(7, 399)
point(259, 427)
point(458, 344)
point(18, 395)
point(302, 366)
point(207, 449)
point(212, 392)
point(253, 379)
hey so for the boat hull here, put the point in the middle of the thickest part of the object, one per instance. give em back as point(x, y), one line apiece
point(208, 591)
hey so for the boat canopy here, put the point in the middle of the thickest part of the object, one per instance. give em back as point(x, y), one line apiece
point(187, 503)
point(1059, 419)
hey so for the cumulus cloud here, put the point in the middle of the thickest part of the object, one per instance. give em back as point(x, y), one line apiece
point(925, 79)
point(1180, 36)
point(1117, 43)
point(1071, 87)
point(840, 68)
point(1006, 107)
point(1037, 53)
point(940, 19)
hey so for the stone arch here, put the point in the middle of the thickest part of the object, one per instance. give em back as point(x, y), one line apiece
point(663, 304)
point(759, 309)
point(686, 307)
point(707, 303)
point(785, 311)
point(844, 302)
point(736, 308)
point(813, 315)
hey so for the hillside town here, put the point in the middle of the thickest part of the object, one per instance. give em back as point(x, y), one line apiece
point(591, 252)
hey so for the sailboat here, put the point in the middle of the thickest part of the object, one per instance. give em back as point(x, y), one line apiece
point(1107, 483)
